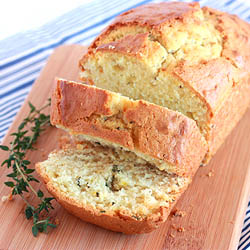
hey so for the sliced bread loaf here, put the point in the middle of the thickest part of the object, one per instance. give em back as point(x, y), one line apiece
point(111, 188)
point(165, 138)
point(190, 59)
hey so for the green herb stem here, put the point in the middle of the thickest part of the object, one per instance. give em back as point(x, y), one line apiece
point(25, 179)
point(34, 123)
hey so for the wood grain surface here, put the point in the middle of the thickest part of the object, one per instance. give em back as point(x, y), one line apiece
point(214, 204)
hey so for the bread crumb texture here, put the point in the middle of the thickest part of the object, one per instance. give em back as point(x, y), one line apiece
point(176, 55)
point(167, 139)
point(110, 181)
point(145, 52)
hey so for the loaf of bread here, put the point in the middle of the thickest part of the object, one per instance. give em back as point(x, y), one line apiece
point(186, 70)
point(165, 138)
point(110, 187)
point(190, 59)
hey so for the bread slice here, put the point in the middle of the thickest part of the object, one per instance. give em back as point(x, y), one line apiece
point(164, 138)
point(111, 188)
point(177, 55)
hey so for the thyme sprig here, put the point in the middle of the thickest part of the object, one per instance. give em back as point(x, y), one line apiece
point(23, 140)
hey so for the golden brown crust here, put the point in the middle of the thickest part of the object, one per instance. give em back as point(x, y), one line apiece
point(152, 16)
point(167, 135)
point(136, 125)
point(236, 46)
point(236, 37)
point(228, 116)
point(158, 14)
point(124, 45)
point(215, 81)
point(72, 104)
point(211, 80)
point(139, 43)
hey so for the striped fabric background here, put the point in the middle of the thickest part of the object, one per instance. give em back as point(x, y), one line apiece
point(23, 55)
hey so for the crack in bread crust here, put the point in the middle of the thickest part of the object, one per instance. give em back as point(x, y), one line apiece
point(159, 135)
point(211, 44)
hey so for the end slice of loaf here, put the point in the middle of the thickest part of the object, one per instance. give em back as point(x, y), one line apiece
point(111, 188)
point(190, 59)
point(164, 138)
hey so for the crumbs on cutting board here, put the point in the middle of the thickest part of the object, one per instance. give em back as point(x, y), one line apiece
point(7, 197)
point(209, 174)
point(180, 229)
point(178, 213)
point(57, 221)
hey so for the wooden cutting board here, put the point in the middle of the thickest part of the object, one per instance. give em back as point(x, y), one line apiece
point(214, 204)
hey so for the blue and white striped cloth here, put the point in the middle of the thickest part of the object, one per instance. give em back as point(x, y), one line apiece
point(23, 55)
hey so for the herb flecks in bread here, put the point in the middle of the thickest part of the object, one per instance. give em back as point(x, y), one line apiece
point(102, 180)
point(140, 157)
point(165, 138)
point(178, 55)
